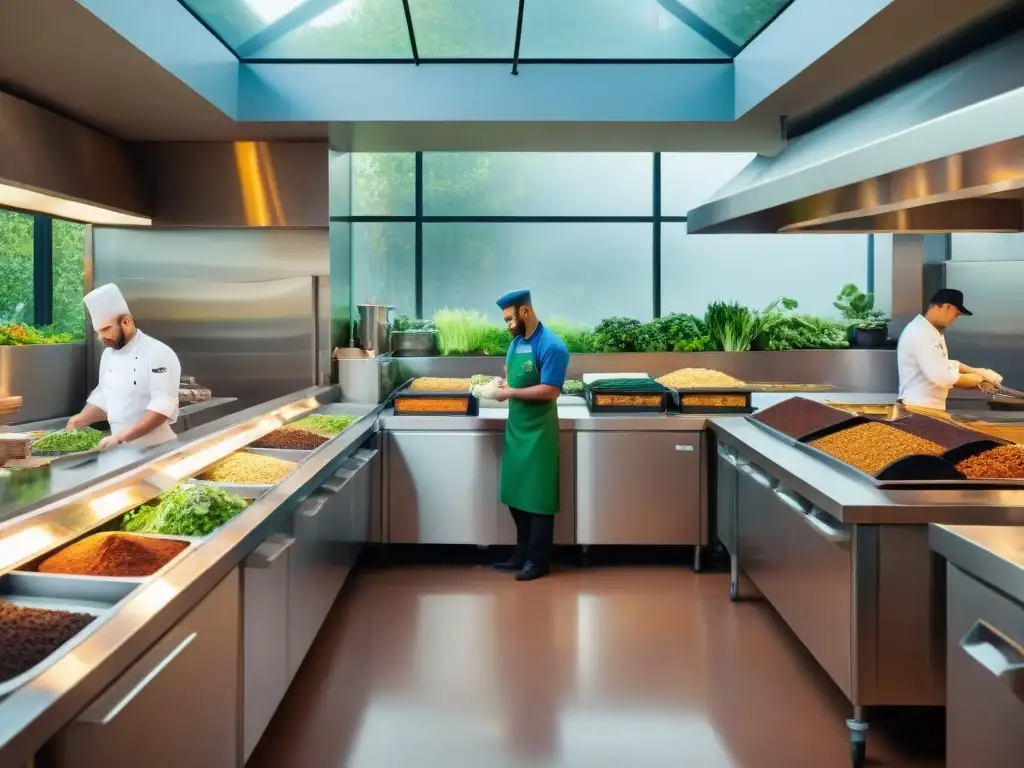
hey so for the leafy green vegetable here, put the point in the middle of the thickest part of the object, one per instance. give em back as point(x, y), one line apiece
point(859, 309)
point(805, 332)
point(572, 387)
point(19, 335)
point(405, 324)
point(495, 342)
point(69, 440)
point(578, 340)
point(464, 332)
point(675, 332)
point(192, 510)
point(731, 326)
point(620, 334)
point(322, 424)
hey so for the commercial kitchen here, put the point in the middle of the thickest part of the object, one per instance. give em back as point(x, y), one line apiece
point(765, 553)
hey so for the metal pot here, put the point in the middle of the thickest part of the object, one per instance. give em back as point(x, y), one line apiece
point(414, 343)
point(375, 327)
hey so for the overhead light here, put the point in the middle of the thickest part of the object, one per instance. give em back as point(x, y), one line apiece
point(39, 202)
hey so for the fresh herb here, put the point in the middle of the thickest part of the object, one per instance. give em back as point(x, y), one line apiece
point(463, 332)
point(859, 309)
point(620, 334)
point(572, 387)
point(578, 340)
point(494, 342)
point(677, 332)
point(321, 424)
point(805, 332)
point(18, 335)
point(771, 316)
point(406, 324)
point(731, 326)
point(480, 378)
point(69, 441)
point(187, 510)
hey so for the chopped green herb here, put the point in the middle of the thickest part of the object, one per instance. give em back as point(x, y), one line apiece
point(69, 440)
point(187, 510)
point(329, 426)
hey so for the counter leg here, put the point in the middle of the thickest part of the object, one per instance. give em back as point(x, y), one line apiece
point(734, 577)
point(696, 558)
point(858, 728)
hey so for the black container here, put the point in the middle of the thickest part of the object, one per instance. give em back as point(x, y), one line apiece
point(589, 394)
point(679, 397)
point(839, 426)
point(868, 339)
point(472, 406)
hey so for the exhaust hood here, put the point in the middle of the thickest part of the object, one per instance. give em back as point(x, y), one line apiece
point(942, 154)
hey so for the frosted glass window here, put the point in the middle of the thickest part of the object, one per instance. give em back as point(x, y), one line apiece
point(384, 264)
point(578, 272)
point(383, 184)
point(757, 269)
point(883, 273)
point(987, 247)
point(537, 184)
point(691, 178)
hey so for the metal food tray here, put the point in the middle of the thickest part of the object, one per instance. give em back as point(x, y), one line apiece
point(472, 405)
point(677, 400)
point(294, 455)
point(665, 397)
point(247, 492)
point(93, 596)
point(31, 566)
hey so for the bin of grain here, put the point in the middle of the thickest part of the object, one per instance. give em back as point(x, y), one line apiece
point(243, 468)
point(1006, 462)
point(433, 405)
point(699, 378)
point(113, 553)
point(873, 446)
point(291, 438)
point(29, 635)
point(434, 384)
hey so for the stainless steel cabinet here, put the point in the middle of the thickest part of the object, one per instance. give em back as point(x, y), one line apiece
point(639, 488)
point(443, 487)
point(800, 559)
point(264, 636)
point(176, 706)
point(985, 675)
point(725, 497)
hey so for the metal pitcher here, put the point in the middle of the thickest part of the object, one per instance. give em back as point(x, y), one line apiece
point(375, 328)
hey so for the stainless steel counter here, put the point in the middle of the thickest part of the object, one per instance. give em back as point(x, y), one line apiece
point(35, 713)
point(993, 554)
point(851, 500)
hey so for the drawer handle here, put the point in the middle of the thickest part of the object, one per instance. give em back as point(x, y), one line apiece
point(264, 555)
point(828, 532)
point(727, 453)
point(790, 501)
point(141, 686)
point(312, 507)
point(757, 476)
point(998, 654)
point(684, 448)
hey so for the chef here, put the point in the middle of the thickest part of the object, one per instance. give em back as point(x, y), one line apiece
point(926, 372)
point(139, 377)
point(535, 369)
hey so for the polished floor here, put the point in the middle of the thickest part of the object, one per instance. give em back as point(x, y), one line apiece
point(626, 666)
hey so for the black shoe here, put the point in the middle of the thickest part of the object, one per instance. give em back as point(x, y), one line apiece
point(531, 571)
point(508, 565)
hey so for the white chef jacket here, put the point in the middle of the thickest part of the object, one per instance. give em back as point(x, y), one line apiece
point(144, 375)
point(926, 372)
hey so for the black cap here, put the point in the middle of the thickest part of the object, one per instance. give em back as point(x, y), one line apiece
point(950, 296)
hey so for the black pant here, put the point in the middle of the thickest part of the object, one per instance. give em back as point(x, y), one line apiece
point(534, 537)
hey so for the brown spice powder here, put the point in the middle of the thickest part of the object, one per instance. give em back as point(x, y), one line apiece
point(1005, 462)
point(29, 635)
point(291, 438)
point(114, 554)
point(873, 446)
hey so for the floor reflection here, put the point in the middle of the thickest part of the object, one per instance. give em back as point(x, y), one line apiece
point(618, 667)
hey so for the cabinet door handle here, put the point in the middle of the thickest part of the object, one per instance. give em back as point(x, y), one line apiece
point(118, 708)
point(757, 475)
point(790, 501)
point(828, 532)
point(997, 653)
point(311, 507)
point(265, 554)
point(685, 448)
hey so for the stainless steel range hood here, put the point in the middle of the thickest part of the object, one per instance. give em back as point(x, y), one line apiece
point(942, 154)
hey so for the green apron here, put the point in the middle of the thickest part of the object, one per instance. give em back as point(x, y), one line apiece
point(529, 461)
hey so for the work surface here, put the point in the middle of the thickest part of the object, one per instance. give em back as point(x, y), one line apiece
point(994, 554)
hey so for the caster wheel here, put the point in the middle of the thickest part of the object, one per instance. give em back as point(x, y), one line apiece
point(734, 592)
point(858, 749)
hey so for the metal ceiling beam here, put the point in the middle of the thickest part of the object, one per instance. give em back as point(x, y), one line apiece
point(302, 14)
point(702, 27)
point(519, 37)
point(412, 32)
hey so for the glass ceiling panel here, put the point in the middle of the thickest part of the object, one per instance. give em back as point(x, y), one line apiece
point(238, 20)
point(350, 29)
point(739, 20)
point(614, 29)
point(465, 29)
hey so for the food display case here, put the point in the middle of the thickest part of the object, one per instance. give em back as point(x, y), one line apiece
point(86, 563)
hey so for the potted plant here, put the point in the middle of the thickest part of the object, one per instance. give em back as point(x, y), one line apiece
point(868, 327)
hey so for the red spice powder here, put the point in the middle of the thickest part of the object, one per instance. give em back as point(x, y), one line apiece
point(114, 554)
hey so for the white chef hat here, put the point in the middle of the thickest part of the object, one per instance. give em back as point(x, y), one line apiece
point(106, 305)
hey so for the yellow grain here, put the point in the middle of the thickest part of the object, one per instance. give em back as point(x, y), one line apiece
point(248, 469)
point(645, 401)
point(718, 401)
point(431, 404)
point(692, 378)
point(432, 384)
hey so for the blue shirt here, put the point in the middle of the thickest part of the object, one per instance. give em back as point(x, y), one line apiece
point(549, 353)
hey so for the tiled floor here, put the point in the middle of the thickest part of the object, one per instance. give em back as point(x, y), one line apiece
point(633, 667)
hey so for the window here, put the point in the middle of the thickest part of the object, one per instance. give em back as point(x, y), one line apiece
point(384, 264)
point(986, 247)
point(383, 184)
point(466, 184)
point(578, 272)
point(757, 269)
point(68, 277)
point(689, 179)
point(16, 267)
